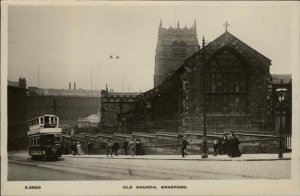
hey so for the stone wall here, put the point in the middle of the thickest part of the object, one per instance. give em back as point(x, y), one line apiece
point(170, 143)
point(113, 106)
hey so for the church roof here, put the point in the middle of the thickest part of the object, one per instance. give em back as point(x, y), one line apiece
point(227, 39)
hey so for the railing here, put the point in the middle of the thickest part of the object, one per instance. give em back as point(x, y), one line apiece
point(239, 123)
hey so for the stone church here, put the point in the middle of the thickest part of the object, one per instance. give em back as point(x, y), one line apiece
point(237, 80)
point(226, 79)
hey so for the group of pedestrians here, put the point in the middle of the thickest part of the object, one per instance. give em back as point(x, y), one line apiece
point(224, 145)
point(134, 146)
point(112, 147)
point(227, 145)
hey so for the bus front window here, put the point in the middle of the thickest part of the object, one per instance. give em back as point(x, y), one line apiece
point(52, 121)
point(55, 121)
point(47, 140)
point(47, 121)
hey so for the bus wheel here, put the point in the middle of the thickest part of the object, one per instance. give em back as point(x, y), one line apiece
point(33, 157)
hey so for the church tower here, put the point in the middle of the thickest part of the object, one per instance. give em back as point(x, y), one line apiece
point(174, 45)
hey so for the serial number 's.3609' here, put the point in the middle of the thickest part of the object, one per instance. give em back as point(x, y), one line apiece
point(33, 187)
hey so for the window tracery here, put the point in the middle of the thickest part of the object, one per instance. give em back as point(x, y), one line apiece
point(226, 75)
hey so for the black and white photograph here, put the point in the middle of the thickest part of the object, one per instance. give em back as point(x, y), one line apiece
point(149, 98)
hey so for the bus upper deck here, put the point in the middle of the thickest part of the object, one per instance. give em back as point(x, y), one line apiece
point(44, 124)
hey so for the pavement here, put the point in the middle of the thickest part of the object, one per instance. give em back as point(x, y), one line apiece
point(147, 167)
point(244, 157)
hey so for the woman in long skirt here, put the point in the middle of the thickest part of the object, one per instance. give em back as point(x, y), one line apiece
point(233, 150)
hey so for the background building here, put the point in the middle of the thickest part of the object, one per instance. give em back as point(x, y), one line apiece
point(92, 121)
point(114, 105)
point(69, 104)
point(16, 115)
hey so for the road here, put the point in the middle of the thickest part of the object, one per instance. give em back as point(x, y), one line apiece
point(74, 168)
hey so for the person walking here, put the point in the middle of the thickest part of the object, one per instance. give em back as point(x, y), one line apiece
point(115, 147)
point(89, 147)
point(131, 147)
point(216, 146)
point(233, 150)
point(79, 150)
point(184, 146)
point(137, 147)
point(74, 149)
point(125, 146)
point(109, 149)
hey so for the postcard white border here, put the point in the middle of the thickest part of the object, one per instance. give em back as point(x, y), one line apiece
point(195, 187)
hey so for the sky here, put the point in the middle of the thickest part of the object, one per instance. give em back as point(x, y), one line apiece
point(73, 43)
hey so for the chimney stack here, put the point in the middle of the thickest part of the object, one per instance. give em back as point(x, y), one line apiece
point(74, 85)
point(70, 86)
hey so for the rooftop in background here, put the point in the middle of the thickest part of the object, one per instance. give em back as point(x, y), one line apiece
point(93, 118)
point(34, 91)
point(17, 84)
point(286, 78)
point(123, 93)
point(13, 83)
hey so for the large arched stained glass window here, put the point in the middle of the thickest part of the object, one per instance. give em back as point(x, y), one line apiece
point(226, 84)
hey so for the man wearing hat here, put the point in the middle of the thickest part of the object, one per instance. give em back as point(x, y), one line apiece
point(184, 146)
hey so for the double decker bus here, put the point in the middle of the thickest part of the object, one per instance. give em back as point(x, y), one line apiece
point(45, 138)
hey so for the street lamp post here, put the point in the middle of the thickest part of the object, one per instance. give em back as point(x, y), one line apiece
point(204, 140)
point(281, 92)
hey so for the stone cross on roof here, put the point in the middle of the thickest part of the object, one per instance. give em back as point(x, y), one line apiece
point(226, 26)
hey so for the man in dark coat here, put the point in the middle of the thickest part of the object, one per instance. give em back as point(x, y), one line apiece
point(224, 144)
point(115, 147)
point(138, 147)
point(184, 146)
point(233, 149)
point(74, 149)
point(125, 146)
point(89, 147)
